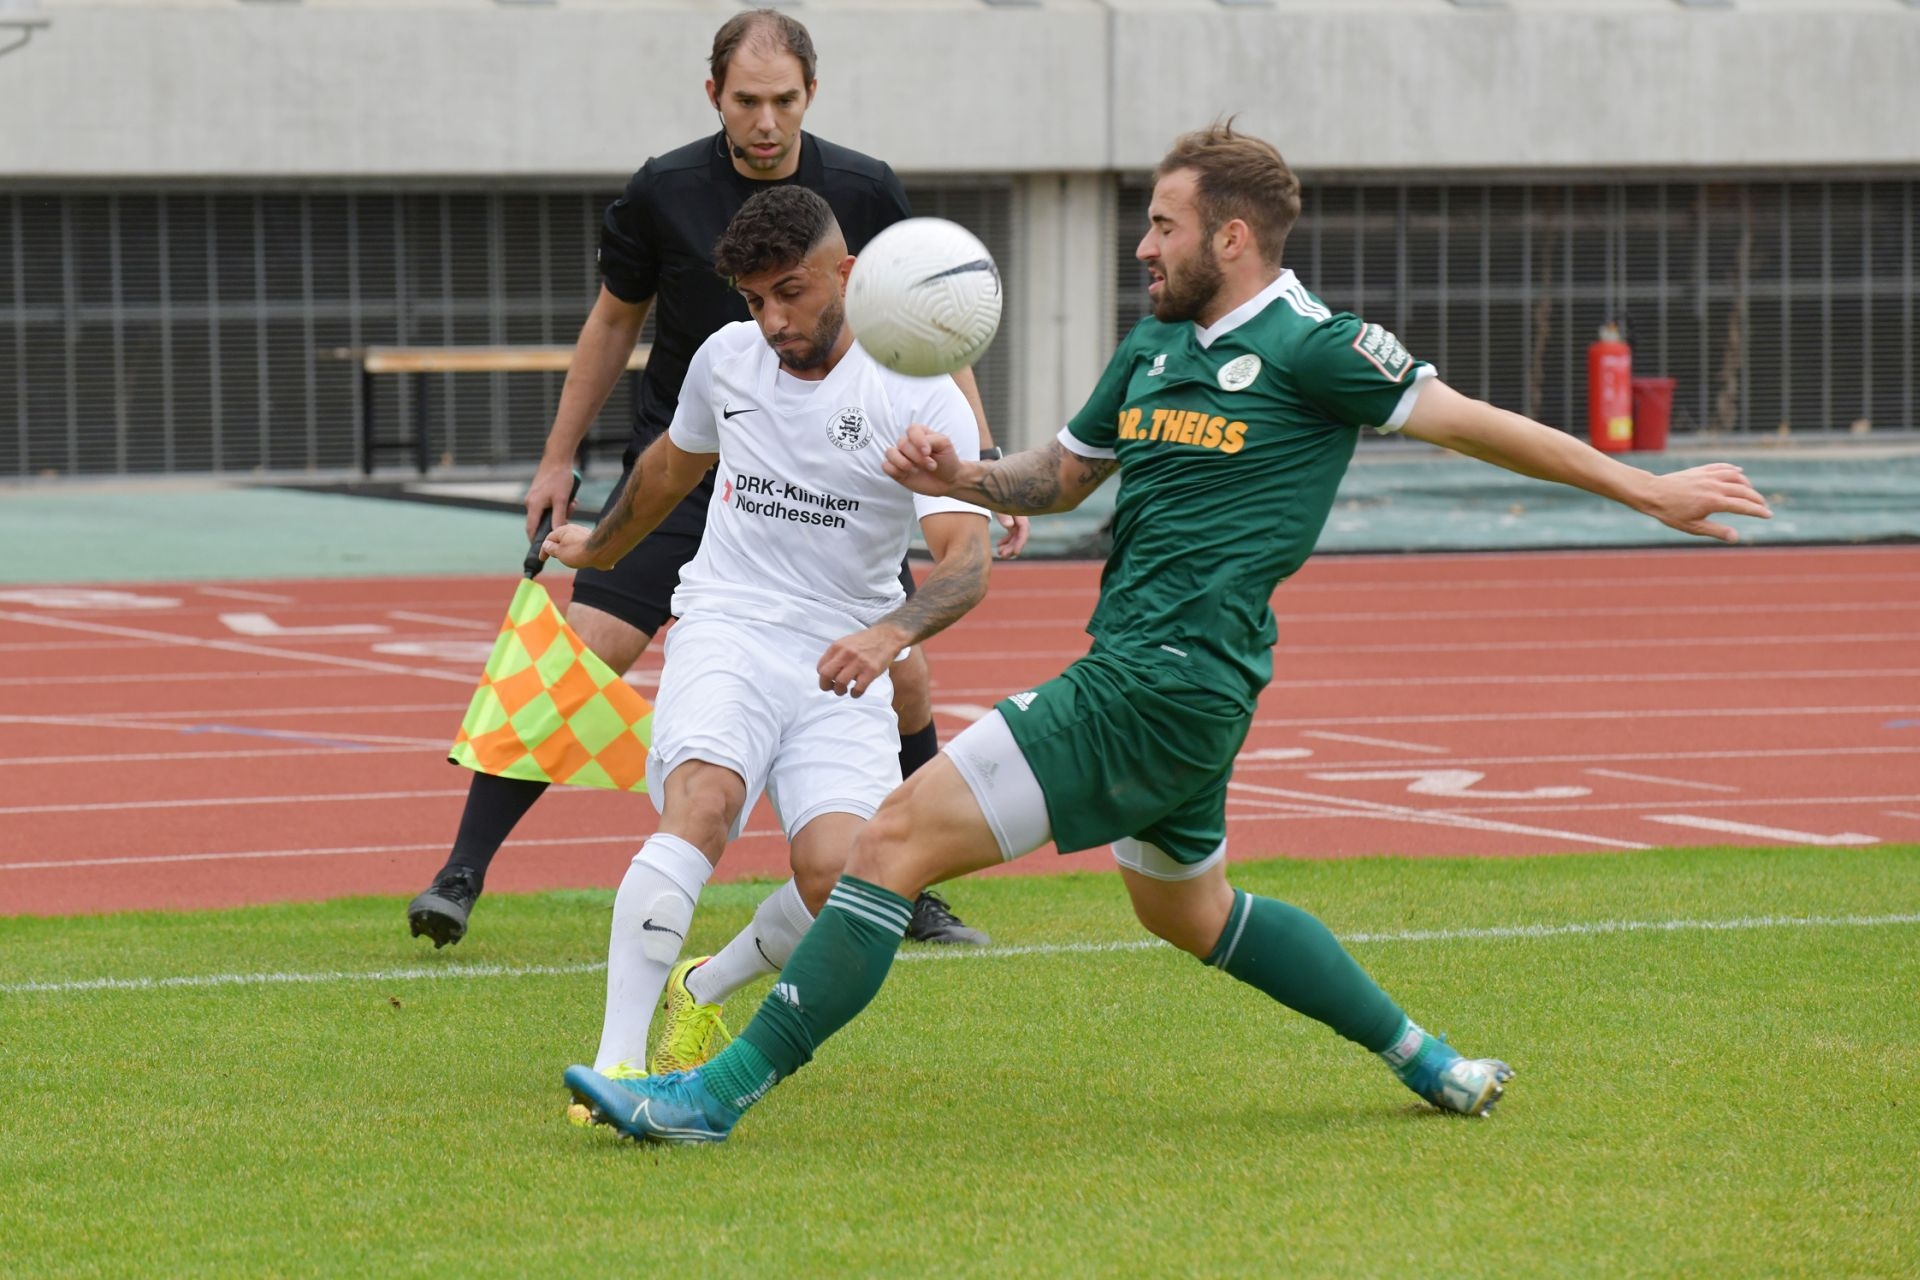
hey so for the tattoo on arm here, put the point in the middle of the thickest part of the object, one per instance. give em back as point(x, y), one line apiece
point(1029, 483)
point(956, 584)
point(605, 532)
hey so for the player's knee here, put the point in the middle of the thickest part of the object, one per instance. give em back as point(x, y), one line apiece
point(617, 643)
point(703, 817)
point(814, 884)
point(883, 852)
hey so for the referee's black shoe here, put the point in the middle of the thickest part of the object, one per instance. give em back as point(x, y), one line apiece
point(441, 912)
point(933, 921)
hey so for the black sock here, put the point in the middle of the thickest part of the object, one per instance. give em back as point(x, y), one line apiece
point(494, 806)
point(918, 748)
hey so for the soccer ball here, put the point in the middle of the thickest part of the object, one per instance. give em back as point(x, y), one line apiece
point(924, 297)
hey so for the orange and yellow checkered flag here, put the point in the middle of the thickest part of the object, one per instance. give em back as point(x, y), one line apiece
point(549, 710)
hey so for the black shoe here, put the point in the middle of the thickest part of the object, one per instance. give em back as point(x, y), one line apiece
point(934, 921)
point(441, 912)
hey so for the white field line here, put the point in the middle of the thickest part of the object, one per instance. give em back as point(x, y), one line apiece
point(1522, 584)
point(237, 646)
point(1665, 782)
point(950, 955)
point(1350, 807)
point(1571, 678)
point(946, 654)
point(222, 714)
point(465, 624)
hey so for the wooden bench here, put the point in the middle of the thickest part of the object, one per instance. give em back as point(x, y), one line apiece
point(415, 363)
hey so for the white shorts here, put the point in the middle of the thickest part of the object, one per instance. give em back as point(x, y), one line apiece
point(1009, 796)
point(747, 696)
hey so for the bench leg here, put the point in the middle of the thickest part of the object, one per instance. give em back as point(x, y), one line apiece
point(366, 422)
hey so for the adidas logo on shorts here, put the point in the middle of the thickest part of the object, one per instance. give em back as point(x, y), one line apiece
point(1023, 700)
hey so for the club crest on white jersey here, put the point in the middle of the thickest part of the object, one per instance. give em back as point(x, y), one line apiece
point(849, 429)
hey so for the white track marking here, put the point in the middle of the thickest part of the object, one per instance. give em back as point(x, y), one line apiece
point(474, 653)
point(236, 646)
point(1267, 755)
point(948, 654)
point(346, 850)
point(1374, 742)
point(1670, 782)
point(1449, 782)
point(1745, 802)
point(1628, 757)
point(465, 624)
point(967, 711)
point(111, 720)
point(85, 598)
point(1373, 809)
point(969, 955)
point(258, 597)
point(1521, 717)
point(1765, 833)
point(262, 627)
point(175, 677)
point(169, 757)
point(324, 797)
point(1610, 677)
point(1293, 619)
point(1901, 813)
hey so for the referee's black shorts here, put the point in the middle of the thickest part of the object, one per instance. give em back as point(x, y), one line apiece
point(639, 590)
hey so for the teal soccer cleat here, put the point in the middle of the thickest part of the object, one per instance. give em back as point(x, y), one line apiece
point(675, 1108)
point(1450, 1082)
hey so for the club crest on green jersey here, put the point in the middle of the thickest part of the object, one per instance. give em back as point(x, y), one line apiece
point(1238, 374)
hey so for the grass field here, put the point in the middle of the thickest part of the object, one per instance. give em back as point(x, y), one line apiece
point(1716, 1101)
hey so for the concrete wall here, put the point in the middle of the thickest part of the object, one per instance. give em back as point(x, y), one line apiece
point(439, 88)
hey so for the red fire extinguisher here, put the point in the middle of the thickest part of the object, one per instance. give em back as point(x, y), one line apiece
point(1610, 392)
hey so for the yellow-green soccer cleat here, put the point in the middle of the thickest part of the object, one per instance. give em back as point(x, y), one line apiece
point(579, 1113)
point(690, 1032)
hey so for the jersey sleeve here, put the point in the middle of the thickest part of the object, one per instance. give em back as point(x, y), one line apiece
point(629, 255)
point(693, 427)
point(943, 408)
point(1359, 373)
point(1094, 430)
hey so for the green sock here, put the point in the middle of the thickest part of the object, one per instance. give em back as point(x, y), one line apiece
point(832, 975)
point(1295, 959)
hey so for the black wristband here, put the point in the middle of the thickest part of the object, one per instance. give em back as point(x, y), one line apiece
point(993, 454)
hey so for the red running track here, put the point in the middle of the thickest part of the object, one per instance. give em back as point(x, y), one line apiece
point(201, 745)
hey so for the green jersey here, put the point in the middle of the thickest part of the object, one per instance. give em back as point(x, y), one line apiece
point(1231, 442)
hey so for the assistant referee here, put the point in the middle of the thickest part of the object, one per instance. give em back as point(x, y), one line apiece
point(656, 256)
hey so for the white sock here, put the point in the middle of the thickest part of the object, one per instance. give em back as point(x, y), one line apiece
point(650, 919)
point(761, 948)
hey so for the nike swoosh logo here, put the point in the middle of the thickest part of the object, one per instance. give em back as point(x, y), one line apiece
point(728, 411)
point(651, 927)
point(763, 954)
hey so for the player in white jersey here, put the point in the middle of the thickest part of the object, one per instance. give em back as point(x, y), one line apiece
point(790, 613)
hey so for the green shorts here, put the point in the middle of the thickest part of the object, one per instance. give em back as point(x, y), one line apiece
point(1135, 749)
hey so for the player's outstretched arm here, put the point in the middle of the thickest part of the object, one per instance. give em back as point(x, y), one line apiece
point(961, 558)
point(664, 475)
point(1683, 500)
point(1033, 482)
point(599, 358)
point(1018, 527)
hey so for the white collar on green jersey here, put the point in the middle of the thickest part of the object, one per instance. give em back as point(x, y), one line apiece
point(1245, 311)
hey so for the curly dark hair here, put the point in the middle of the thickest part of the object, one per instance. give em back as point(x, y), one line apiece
point(777, 228)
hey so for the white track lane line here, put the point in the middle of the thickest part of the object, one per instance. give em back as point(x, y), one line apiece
point(1294, 619)
point(1622, 757)
point(1374, 742)
point(1522, 717)
point(250, 855)
point(176, 677)
point(1430, 817)
point(1670, 782)
point(258, 597)
point(465, 624)
point(237, 646)
point(1745, 802)
point(1764, 833)
point(968, 955)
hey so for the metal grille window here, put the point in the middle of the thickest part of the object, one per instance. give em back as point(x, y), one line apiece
point(192, 331)
point(1784, 305)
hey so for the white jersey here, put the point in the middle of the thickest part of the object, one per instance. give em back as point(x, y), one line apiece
point(805, 530)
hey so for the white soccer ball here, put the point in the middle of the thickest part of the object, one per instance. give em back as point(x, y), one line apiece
point(924, 297)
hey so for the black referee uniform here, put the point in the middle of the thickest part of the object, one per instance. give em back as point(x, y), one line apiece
point(656, 242)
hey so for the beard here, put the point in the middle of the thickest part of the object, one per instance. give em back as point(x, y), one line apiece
point(1185, 294)
point(820, 342)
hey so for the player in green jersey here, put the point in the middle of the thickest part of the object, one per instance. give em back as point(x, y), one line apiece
point(1231, 413)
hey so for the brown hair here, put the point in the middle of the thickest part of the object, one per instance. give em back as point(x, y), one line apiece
point(1239, 176)
point(766, 29)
